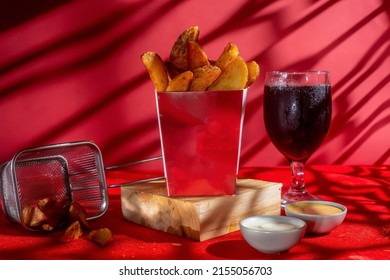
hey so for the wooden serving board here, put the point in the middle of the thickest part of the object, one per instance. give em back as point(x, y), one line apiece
point(199, 218)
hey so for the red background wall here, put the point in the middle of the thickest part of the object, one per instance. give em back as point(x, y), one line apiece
point(71, 70)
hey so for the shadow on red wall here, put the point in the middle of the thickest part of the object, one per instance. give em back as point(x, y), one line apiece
point(60, 80)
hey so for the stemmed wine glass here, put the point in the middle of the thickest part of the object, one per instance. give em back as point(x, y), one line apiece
point(297, 115)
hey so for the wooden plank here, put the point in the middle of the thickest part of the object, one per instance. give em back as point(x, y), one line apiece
point(199, 218)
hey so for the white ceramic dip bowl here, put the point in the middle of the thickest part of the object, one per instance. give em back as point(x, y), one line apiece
point(272, 234)
point(321, 217)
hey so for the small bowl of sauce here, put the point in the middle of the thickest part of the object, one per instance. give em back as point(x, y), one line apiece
point(272, 234)
point(321, 217)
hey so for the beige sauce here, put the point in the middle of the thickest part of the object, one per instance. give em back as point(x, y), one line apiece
point(276, 226)
point(314, 208)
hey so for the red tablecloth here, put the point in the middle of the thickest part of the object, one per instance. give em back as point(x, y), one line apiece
point(365, 233)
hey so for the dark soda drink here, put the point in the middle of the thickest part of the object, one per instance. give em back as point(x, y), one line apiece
point(297, 118)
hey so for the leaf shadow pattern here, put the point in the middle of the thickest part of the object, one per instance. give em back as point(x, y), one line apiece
point(340, 95)
point(248, 14)
point(14, 13)
point(79, 64)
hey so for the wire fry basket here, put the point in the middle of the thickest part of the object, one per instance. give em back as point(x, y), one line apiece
point(63, 172)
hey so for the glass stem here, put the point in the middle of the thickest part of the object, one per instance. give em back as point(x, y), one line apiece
point(297, 177)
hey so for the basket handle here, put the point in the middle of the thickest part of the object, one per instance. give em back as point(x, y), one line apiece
point(112, 167)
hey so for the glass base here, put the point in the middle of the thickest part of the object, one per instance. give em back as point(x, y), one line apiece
point(289, 197)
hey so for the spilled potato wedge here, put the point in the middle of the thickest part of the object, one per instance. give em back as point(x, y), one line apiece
point(33, 217)
point(156, 69)
point(233, 77)
point(178, 55)
point(181, 82)
point(253, 72)
point(204, 77)
point(77, 213)
point(72, 232)
point(100, 236)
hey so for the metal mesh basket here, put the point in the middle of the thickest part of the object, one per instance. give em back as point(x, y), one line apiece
point(69, 171)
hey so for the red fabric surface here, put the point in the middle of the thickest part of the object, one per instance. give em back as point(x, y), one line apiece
point(365, 233)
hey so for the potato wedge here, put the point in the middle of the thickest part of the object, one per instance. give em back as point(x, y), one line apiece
point(172, 71)
point(33, 217)
point(229, 72)
point(77, 212)
point(233, 77)
point(156, 69)
point(72, 232)
point(229, 53)
point(56, 212)
point(204, 77)
point(100, 236)
point(178, 55)
point(181, 82)
point(196, 57)
point(253, 72)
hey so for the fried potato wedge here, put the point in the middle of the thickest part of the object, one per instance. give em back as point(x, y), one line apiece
point(181, 82)
point(233, 77)
point(72, 232)
point(204, 77)
point(172, 71)
point(156, 69)
point(100, 236)
point(77, 212)
point(178, 55)
point(196, 56)
point(55, 211)
point(253, 72)
point(33, 217)
point(229, 53)
point(229, 72)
